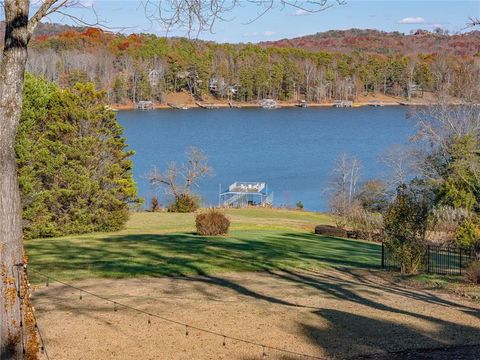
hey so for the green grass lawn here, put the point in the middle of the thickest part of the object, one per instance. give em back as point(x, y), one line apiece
point(165, 244)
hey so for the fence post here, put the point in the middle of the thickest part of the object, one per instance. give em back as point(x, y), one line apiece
point(460, 260)
point(428, 258)
point(383, 255)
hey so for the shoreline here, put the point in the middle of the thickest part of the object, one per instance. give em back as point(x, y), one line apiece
point(162, 106)
point(185, 102)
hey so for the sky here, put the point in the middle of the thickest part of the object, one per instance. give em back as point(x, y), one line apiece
point(288, 22)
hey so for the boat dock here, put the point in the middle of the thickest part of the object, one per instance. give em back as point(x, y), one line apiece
point(244, 194)
point(144, 105)
point(342, 103)
point(179, 107)
point(207, 105)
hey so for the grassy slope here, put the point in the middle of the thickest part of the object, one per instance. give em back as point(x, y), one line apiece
point(164, 244)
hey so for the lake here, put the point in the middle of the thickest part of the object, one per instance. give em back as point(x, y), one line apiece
point(292, 150)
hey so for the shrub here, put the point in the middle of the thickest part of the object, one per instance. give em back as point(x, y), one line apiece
point(154, 204)
point(212, 222)
point(473, 272)
point(444, 223)
point(328, 230)
point(365, 224)
point(468, 233)
point(299, 205)
point(405, 226)
point(185, 203)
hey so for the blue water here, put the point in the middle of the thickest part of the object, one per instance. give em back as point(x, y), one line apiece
point(293, 150)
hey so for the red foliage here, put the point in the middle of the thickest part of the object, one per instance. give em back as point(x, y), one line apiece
point(69, 34)
point(41, 38)
point(374, 41)
point(124, 45)
point(93, 33)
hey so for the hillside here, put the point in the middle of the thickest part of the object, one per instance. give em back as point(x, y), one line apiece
point(346, 65)
point(45, 30)
point(344, 41)
point(380, 42)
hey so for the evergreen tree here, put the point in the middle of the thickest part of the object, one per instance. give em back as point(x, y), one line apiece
point(74, 170)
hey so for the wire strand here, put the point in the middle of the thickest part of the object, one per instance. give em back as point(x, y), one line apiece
point(40, 335)
point(42, 341)
point(185, 325)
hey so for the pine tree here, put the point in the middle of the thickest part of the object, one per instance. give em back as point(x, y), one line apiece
point(74, 170)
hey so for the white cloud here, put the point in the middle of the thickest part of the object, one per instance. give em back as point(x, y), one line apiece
point(269, 33)
point(247, 34)
point(412, 20)
point(301, 12)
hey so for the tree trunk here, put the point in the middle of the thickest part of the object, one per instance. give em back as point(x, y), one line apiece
point(12, 337)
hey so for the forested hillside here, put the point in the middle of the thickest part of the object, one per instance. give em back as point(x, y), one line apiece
point(318, 68)
point(381, 42)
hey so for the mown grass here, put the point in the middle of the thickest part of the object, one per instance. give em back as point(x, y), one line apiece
point(165, 244)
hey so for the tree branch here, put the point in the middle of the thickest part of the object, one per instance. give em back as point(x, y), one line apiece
point(42, 11)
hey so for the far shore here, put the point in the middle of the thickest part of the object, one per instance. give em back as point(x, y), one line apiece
point(222, 104)
point(281, 105)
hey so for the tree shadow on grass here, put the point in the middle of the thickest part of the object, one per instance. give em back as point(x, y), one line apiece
point(203, 259)
point(189, 254)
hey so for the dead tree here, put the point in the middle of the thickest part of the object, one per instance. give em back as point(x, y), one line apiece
point(179, 180)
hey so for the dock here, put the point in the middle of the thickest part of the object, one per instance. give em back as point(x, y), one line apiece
point(144, 105)
point(375, 103)
point(207, 105)
point(179, 107)
point(268, 104)
point(343, 103)
point(245, 194)
point(233, 105)
point(302, 104)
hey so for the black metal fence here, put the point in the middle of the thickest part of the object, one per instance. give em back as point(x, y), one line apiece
point(438, 259)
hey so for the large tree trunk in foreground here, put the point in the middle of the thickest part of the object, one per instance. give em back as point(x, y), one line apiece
point(13, 338)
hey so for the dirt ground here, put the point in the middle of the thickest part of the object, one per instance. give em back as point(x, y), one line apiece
point(334, 314)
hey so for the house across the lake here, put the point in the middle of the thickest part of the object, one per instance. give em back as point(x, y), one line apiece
point(243, 194)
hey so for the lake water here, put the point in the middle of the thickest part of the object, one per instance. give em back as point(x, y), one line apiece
point(292, 150)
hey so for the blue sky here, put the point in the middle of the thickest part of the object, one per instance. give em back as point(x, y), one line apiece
point(388, 15)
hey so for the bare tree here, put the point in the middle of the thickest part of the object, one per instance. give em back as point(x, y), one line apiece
point(449, 152)
point(179, 180)
point(473, 21)
point(438, 127)
point(400, 160)
point(343, 186)
point(196, 15)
